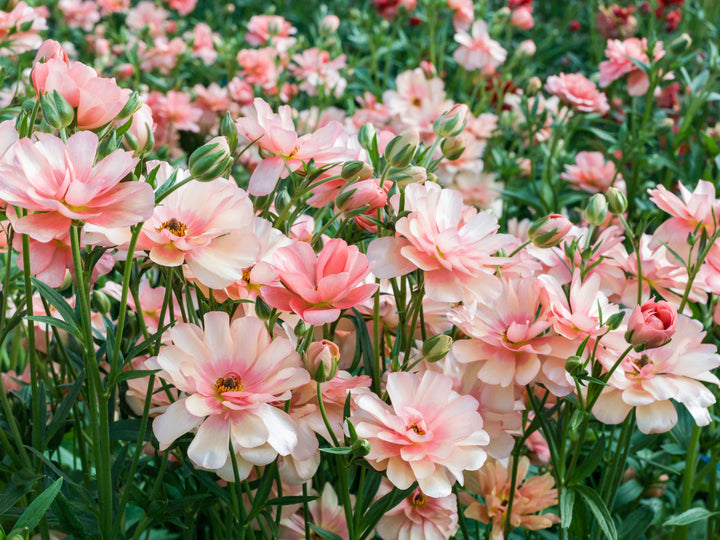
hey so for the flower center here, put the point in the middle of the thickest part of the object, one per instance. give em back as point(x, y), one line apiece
point(175, 226)
point(417, 429)
point(295, 151)
point(229, 383)
point(416, 101)
point(418, 499)
point(246, 274)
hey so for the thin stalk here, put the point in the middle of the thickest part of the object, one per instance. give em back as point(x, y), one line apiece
point(689, 478)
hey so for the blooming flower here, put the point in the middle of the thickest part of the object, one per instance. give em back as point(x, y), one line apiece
point(325, 512)
point(592, 173)
point(429, 434)
point(494, 484)
point(232, 375)
point(62, 183)
point(578, 92)
point(270, 28)
point(619, 63)
point(318, 287)
point(478, 50)
point(20, 28)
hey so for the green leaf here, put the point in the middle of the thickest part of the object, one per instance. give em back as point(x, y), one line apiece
point(64, 409)
point(637, 522)
point(597, 506)
point(590, 463)
point(57, 301)
point(338, 450)
point(381, 506)
point(322, 533)
point(689, 516)
point(567, 501)
point(58, 323)
point(291, 499)
point(37, 509)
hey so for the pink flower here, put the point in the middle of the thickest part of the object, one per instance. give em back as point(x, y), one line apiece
point(318, 287)
point(477, 50)
point(648, 380)
point(652, 324)
point(619, 63)
point(208, 226)
point(183, 7)
point(275, 134)
point(163, 55)
point(317, 71)
point(147, 14)
point(82, 14)
point(113, 6)
point(592, 173)
point(453, 244)
point(522, 18)
point(578, 91)
point(494, 483)
point(20, 28)
point(362, 193)
point(389, 9)
point(464, 14)
point(204, 43)
point(258, 67)
point(62, 183)
point(50, 50)
point(419, 516)
point(270, 28)
point(232, 375)
point(429, 434)
point(325, 512)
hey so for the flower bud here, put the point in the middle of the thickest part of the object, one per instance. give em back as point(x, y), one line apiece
point(356, 170)
point(262, 309)
point(101, 301)
point(574, 366)
point(329, 25)
point(366, 134)
point(132, 105)
point(401, 150)
point(451, 123)
point(651, 325)
point(452, 148)
point(533, 86)
point(211, 160)
point(322, 359)
point(57, 112)
point(549, 231)
point(414, 174)
point(360, 448)
point(617, 201)
point(597, 209)
point(363, 193)
point(436, 348)
point(229, 131)
point(681, 43)
point(527, 48)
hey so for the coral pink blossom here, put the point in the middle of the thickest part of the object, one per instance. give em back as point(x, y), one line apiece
point(318, 287)
point(325, 513)
point(452, 243)
point(49, 50)
point(183, 7)
point(619, 63)
point(275, 134)
point(20, 28)
point(258, 67)
point(522, 18)
point(578, 92)
point(463, 14)
point(62, 182)
point(648, 380)
point(232, 375)
point(270, 28)
point(147, 14)
point(98, 100)
point(429, 434)
point(208, 226)
point(697, 211)
point(531, 496)
point(507, 335)
point(651, 324)
point(478, 50)
point(592, 173)
point(419, 516)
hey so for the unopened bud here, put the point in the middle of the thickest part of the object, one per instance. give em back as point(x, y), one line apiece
point(361, 194)
point(617, 201)
point(366, 134)
point(229, 131)
point(452, 148)
point(356, 170)
point(574, 366)
point(681, 43)
point(436, 348)
point(414, 174)
point(401, 150)
point(597, 209)
point(262, 309)
point(452, 122)
point(360, 448)
point(549, 231)
point(57, 112)
point(329, 25)
point(132, 105)
point(322, 359)
point(533, 86)
point(211, 160)
point(101, 301)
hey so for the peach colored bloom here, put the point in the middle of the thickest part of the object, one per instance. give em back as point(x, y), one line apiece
point(325, 512)
point(316, 70)
point(113, 6)
point(163, 55)
point(318, 287)
point(531, 496)
point(49, 50)
point(232, 375)
point(62, 182)
point(464, 14)
point(619, 64)
point(147, 14)
point(651, 324)
point(208, 226)
point(429, 434)
point(258, 67)
point(578, 92)
point(453, 244)
point(20, 29)
point(522, 18)
point(204, 43)
point(648, 380)
point(270, 28)
point(592, 173)
point(478, 50)
point(418, 516)
point(183, 7)
point(507, 335)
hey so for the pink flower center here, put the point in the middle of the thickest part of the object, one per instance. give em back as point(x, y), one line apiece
point(417, 425)
point(175, 226)
point(417, 499)
point(229, 383)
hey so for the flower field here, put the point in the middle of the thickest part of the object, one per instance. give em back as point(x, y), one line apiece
point(349, 270)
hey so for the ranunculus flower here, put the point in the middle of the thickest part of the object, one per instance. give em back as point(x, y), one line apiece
point(619, 63)
point(478, 50)
point(429, 434)
point(578, 91)
point(651, 324)
point(62, 182)
point(318, 287)
point(232, 375)
point(592, 173)
point(550, 230)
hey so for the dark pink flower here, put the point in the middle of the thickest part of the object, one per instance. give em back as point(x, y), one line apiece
point(652, 324)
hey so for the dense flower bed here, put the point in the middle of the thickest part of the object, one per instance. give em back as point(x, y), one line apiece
point(344, 270)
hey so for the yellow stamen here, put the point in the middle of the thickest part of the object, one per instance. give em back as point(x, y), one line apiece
point(175, 226)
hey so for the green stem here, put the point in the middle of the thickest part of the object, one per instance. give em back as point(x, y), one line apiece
point(689, 477)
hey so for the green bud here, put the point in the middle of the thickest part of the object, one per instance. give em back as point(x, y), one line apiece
point(452, 148)
point(57, 112)
point(211, 160)
point(437, 347)
point(574, 366)
point(229, 131)
point(451, 123)
point(101, 301)
point(617, 201)
point(360, 448)
point(262, 309)
point(681, 43)
point(596, 210)
point(413, 174)
point(401, 150)
point(132, 105)
point(356, 170)
point(300, 328)
point(534, 85)
point(366, 134)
